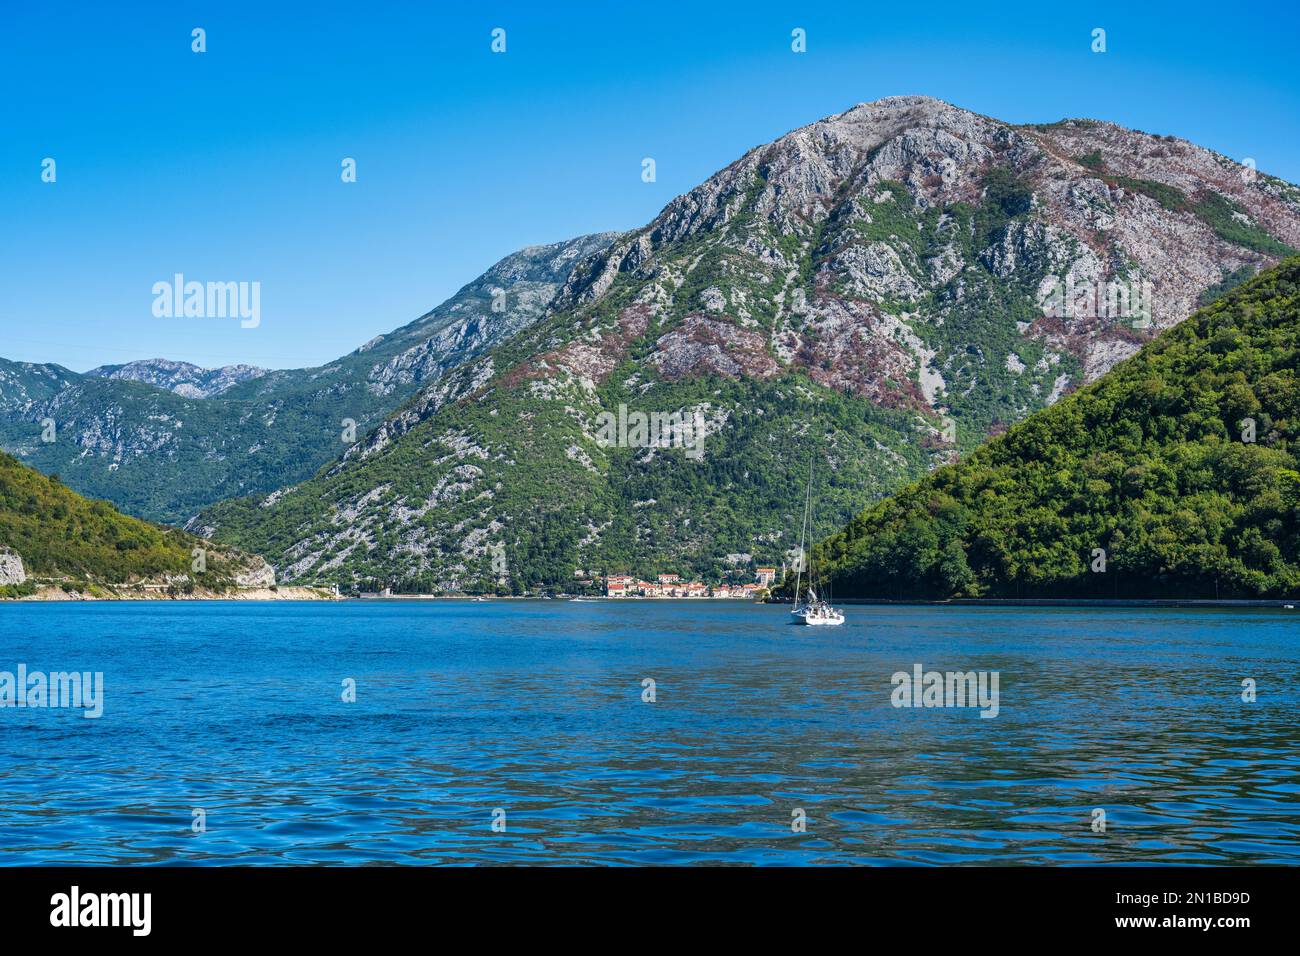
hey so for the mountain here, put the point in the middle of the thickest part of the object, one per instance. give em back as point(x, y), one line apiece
point(184, 379)
point(883, 289)
point(52, 539)
point(1177, 474)
point(162, 440)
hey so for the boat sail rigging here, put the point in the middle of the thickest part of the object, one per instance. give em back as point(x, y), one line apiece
point(814, 609)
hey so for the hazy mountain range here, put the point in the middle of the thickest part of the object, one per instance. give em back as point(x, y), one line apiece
point(189, 381)
point(163, 439)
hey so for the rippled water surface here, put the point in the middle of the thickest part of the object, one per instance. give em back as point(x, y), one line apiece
point(536, 708)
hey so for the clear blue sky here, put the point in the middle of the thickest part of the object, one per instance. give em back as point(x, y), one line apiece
point(225, 165)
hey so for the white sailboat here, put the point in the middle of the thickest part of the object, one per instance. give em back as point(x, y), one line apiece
point(814, 609)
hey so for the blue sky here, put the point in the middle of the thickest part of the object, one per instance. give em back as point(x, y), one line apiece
point(225, 165)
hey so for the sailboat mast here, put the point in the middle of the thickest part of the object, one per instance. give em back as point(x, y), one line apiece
point(803, 528)
point(812, 582)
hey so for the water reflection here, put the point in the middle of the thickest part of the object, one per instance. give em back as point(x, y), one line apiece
point(535, 707)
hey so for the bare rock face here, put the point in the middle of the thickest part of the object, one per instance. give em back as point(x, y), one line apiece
point(189, 381)
point(507, 298)
point(11, 567)
point(703, 345)
point(260, 575)
point(878, 193)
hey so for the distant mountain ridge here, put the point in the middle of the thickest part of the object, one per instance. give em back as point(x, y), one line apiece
point(876, 288)
point(183, 378)
point(163, 439)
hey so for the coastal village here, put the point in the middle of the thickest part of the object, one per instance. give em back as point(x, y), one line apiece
point(672, 586)
point(624, 586)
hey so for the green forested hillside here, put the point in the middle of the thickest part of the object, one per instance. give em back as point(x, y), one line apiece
point(1155, 464)
point(557, 488)
point(61, 535)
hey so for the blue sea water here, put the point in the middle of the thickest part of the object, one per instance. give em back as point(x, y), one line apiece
point(535, 708)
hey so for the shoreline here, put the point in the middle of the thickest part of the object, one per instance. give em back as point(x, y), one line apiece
point(581, 598)
point(56, 595)
point(1073, 602)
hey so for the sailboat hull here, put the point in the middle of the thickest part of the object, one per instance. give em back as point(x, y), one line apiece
point(816, 617)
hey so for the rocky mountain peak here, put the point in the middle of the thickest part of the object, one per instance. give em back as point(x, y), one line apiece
point(907, 208)
point(183, 378)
